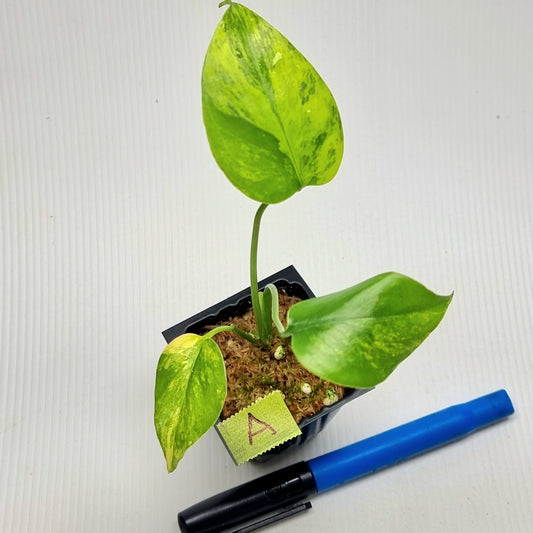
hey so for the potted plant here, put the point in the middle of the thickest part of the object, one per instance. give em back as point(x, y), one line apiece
point(274, 128)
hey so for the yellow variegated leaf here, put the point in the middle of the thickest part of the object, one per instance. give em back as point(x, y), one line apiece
point(272, 123)
point(190, 390)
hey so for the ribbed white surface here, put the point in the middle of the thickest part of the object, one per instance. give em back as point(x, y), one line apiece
point(116, 223)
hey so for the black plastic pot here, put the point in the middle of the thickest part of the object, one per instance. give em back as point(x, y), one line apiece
point(290, 280)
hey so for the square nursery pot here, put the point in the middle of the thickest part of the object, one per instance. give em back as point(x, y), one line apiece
point(290, 280)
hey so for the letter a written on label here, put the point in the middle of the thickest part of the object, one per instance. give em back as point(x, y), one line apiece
point(248, 435)
point(252, 420)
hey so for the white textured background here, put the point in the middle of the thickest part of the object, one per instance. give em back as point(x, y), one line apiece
point(116, 223)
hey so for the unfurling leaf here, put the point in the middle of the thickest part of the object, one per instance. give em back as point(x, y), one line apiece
point(272, 123)
point(190, 389)
point(358, 336)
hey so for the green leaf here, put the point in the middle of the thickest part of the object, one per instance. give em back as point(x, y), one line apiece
point(272, 123)
point(190, 390)
point(358, 336)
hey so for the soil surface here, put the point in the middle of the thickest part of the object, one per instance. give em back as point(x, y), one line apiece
point(254, 372)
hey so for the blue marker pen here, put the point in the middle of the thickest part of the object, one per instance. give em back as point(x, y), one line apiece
point(285, 492)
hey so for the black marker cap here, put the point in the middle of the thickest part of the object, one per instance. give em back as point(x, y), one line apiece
point(254, 504)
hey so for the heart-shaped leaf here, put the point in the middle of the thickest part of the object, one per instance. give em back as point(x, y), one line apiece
point(190, 389)
point(358, 336)
point(272, 123)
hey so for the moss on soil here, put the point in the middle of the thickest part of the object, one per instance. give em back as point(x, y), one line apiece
point(254, 372)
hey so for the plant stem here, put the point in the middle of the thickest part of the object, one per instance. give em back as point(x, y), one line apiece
point(254, 287)
point(246, 335)
point(234, 328)
point(275, 308)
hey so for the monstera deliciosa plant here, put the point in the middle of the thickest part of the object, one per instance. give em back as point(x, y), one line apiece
point(274, 128)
